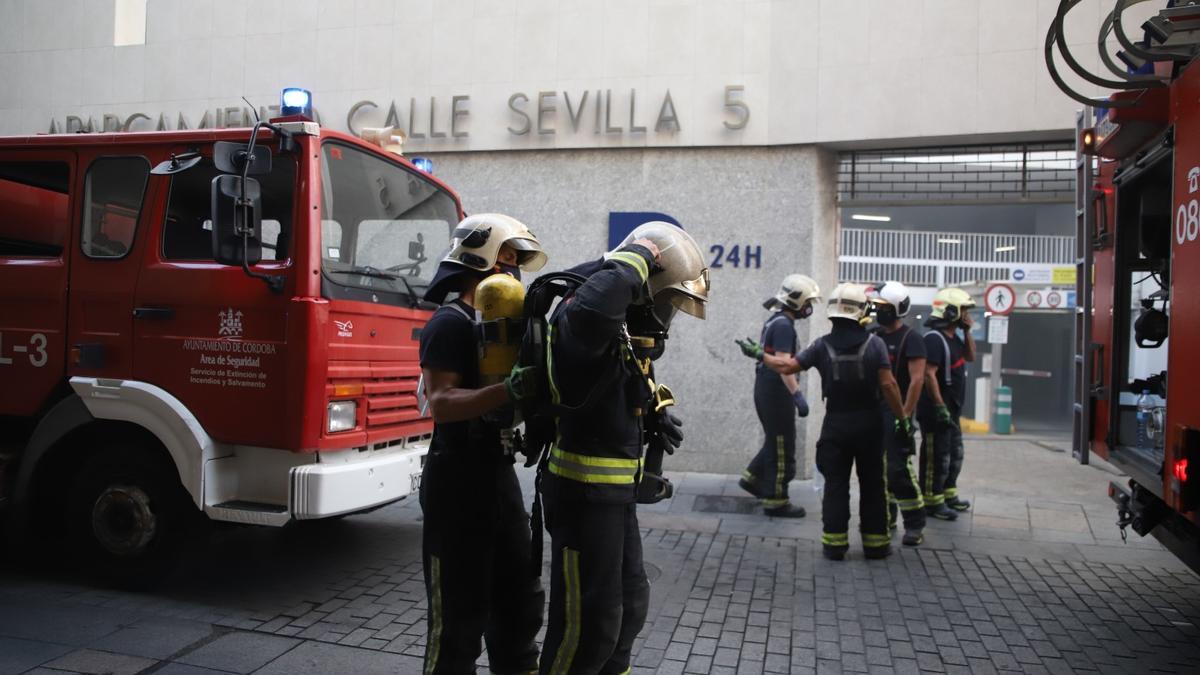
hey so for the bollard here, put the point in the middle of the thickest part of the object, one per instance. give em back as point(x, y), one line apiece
point(1002, 415)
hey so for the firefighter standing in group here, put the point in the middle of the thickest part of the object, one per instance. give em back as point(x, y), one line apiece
point(778, 399)
point(854, 374)
point(599, 594)
point(942, 401)
point(476, 538)
point(906, 352)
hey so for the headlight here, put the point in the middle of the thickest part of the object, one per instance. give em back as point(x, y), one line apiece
point(342, 415)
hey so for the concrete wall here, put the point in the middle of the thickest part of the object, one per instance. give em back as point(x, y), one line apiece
point(779, 198)
point(814, 71)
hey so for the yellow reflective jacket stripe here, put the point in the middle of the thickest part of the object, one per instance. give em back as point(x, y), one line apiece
point(634, 260)
point(599, 470)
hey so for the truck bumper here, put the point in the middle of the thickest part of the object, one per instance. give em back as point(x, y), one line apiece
point(352, 481)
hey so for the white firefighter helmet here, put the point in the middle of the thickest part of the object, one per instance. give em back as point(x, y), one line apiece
point(476, 242)
point(794, 293)
point(679, 280)
point(475, 248)
point(895, 294)
point(848, 301)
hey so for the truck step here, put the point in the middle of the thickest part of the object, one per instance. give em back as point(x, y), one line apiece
point(253, 507)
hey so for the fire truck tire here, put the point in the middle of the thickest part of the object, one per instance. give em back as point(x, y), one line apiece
point(131, 516)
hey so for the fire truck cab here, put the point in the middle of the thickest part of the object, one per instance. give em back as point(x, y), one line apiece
point(1138, 326)
point(218, 322)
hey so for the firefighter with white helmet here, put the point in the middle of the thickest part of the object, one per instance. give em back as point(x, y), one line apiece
point(941, 405)
point(855, 374)
point(778, 399)
point(906, 353)
point(602, 340)
point(476, 538)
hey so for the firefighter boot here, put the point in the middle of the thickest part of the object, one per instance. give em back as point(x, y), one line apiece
point(877, 552)
point(912, 538)
point(957, 503)
point(941, 512)
point(749, 487)
point(788, 510)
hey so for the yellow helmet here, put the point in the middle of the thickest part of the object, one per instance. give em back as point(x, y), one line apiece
point(950, 304)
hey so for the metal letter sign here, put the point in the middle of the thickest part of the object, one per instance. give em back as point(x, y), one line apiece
point(1000, 299)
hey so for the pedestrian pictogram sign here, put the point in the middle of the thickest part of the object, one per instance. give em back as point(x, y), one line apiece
point(1000, 299)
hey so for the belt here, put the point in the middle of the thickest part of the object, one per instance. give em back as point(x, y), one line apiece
point(596, 470)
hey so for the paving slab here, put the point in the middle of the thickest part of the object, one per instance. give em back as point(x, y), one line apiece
point(17, 655)
point(317, 658)
point(239, 652)
point(157, 638)
point(93, 662)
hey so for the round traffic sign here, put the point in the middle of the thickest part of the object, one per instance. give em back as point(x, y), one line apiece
point(1000, 299)
point(1054, 298)
point(1033, 299)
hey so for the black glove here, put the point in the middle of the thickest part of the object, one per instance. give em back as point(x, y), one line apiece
point(904, 431)
point(801, 404)
point(665, 431)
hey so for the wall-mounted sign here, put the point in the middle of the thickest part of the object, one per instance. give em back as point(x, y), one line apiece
point(437, 122)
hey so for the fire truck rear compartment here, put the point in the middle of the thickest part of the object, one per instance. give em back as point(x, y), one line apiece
point(1143, 273)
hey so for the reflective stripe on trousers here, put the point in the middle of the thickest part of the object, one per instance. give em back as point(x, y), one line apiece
point(589, 469)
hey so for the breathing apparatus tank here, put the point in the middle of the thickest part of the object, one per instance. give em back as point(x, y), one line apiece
point(499, 313)
point(500, 306)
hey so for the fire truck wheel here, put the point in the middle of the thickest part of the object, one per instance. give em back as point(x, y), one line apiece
point(131, 515)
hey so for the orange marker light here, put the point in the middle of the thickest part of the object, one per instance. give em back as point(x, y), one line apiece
point(347, 390)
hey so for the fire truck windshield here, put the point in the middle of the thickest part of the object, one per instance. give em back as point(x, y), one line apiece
point(382, 227)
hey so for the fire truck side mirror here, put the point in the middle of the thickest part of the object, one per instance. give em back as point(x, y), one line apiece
point(236, 220)
point(231, 157)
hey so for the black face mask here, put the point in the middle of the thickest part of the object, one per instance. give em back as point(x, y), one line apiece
point(805, 311)
point(511, 270)
point(645, 321)
point(886, 315)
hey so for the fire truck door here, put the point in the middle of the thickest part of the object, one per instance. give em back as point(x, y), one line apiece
point(209, 334)
point(35, 231)
point(112, 189)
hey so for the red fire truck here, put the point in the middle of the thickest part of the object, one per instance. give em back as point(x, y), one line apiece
point(1138, 186)
point(217, 322)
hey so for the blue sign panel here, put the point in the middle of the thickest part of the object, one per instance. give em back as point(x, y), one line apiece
point(621, 223)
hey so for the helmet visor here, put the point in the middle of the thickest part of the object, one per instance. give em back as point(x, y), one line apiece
point(530, 256)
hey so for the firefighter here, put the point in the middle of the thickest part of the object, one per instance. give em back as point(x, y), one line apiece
point(854, 373)
point(777, 399)
point(599, 594)
point(476, 538)
point(942, 401)
point(906, 353)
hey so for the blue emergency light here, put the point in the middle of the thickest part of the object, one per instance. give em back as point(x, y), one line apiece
point(423, 164)
point(295, 101)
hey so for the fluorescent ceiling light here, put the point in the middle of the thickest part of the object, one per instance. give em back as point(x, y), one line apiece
point(949, 241)
point(864, 216)
point(1005, 249)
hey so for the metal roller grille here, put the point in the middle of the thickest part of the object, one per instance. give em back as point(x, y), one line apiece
point(1041, 172)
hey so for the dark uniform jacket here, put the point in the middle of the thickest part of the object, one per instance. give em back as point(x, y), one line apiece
point(599, 446)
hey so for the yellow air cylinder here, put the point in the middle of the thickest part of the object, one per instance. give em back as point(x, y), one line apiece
point(499, 298)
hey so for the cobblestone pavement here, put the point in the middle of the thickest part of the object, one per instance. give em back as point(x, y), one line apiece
point(1034, 580)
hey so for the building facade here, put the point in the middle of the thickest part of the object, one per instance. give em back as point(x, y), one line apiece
point(727, 115)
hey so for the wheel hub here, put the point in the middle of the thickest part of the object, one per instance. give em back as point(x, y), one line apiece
point(122, 520)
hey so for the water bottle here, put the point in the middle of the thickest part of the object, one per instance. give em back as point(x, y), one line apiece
point(1145, 408)
point(818, 480)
